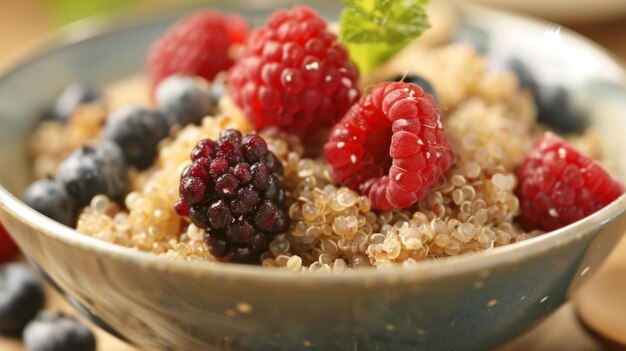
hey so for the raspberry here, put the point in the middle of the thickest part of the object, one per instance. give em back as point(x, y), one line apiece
point(237, 29)
point(294, 74)
point(233, 189)
point(558, 185)
point(8, 249)
point(391, 146)
point(198, 45)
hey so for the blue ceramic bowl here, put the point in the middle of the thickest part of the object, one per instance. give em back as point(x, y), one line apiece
point(473, 302)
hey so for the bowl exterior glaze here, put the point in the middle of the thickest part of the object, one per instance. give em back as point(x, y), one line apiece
point(449, 306)
point(472, 302)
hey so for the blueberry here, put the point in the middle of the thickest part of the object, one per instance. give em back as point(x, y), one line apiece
point(58, 332)
point(21, 297)
point(421, 81)
point(114, 169)
point(51, 199)
point(473, 36)
point(81, 175)
point(554, 105)
point(555, 108)
point(90, 171)
point(184, 100)
point(218, 89)
point(72, 96)
point(137, 130)
point(524, 76)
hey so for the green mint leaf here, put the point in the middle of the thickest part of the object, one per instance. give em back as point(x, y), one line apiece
point(374, 30)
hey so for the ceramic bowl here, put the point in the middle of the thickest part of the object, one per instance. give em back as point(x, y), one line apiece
point(472, 302)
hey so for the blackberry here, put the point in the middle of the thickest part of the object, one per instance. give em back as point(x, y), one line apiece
point(137, 130)
point(233, 189)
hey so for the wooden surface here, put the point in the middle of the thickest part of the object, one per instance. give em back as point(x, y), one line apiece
point(602, 302)
point(601, 305)
point(55, 302)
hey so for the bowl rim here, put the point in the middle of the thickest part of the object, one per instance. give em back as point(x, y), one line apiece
point(478, 262)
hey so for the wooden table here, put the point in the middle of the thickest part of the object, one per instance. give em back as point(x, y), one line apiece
point(25, 20)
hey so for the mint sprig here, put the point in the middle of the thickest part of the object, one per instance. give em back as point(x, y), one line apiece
point(374, 30)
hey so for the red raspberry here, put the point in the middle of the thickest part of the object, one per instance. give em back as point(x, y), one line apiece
point(197, 45)
point(237, 28)
point(391, 145)
point(294, 74)
point(8, 249)
point(558, 185)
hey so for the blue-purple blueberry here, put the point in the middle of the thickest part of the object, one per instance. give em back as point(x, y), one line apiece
point(90, 171)
point(184, 100)
point(58, 332)
point(138, 131)
point(51, 199)
point(21, 297)
point(70, 98)
point(554, 105)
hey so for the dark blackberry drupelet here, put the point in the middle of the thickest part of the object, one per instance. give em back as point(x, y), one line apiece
point(233, 189)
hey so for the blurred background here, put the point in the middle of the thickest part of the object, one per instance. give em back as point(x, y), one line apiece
point(604, 21)
point(24, 21)
point(603, 305)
